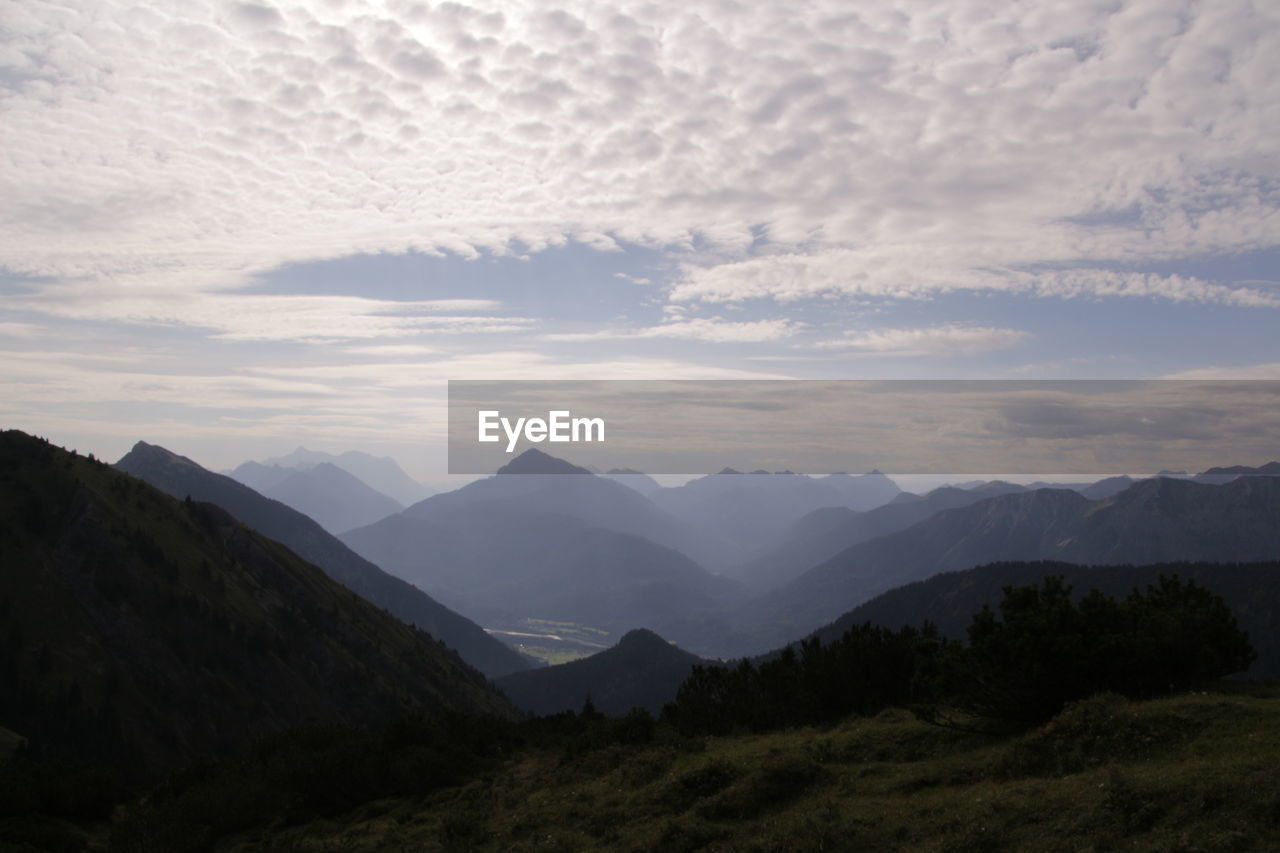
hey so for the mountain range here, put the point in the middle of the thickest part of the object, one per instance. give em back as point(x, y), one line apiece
point(1156, 520)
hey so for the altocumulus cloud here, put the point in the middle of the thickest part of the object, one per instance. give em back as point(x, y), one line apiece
point(935, 340)
point(884, 151)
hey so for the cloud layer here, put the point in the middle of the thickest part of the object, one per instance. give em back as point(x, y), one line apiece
point(896, 150)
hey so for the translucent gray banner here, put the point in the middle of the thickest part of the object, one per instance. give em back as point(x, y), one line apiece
point(946, 427)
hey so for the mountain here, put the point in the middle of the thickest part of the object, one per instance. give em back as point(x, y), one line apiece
point(641, 671)
point(949, 600)
point(179, 476)
point(1227, 474)
point(754, 510)
point(380, 473)
point(508, 560)
point(641, 482)
point(1153, 521)
point(332, 497)
point(260, 477)
point(864, 491)
point(145, 632)
point(537, 482)
point(823, 533)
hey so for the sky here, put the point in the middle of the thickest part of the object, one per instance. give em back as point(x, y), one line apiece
point(237, 228)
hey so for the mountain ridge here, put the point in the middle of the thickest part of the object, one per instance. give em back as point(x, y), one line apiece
point(179, 476)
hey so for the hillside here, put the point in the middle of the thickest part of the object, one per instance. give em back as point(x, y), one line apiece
point(1192, 772)
point(949, 600)
point(641, 671)
point(145, 632)
point(1153, 521)
point(178, 476)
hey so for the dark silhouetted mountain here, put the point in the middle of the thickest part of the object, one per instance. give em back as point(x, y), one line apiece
point(332, 497)
point(380, 473)
point(641, 482)
point(755, 510)
point(1153, 521)
point(641, 671)
point(152, 631)
point(507, 560)
point(822, 534)
point(179, 476)
point(949, 600)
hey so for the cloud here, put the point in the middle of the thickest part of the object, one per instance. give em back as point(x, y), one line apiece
point(896, 152)
point(933, 340)
point(1244, 371)
point(912, 273)
point(712, 330)
point(260, 317)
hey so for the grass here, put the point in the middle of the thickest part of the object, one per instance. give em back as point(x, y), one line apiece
point(1194, 772)
point(552, 655)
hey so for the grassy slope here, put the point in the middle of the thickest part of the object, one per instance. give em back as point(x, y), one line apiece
point(1188, 773)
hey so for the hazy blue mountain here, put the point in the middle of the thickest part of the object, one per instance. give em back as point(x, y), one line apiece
point(380, 473)
point(755, 510)
point(1228, 473)
point(950, 599)
point(823, 533)
point(537, 482)
point(156, 631)
point(862, 492)
point(507, 559)
point(260, 477)
point(332, 497)
point(641, 671)
point(641, 482)
point(179, 476)
point(1153, 521)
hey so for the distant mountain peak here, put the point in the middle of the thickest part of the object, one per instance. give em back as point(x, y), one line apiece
point(641, 637)
point(1271, 469)
point(727, 471)
point(534, 461)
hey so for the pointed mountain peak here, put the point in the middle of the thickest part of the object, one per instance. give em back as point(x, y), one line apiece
point(534, 461)
point(154, 453)
point(640, 637)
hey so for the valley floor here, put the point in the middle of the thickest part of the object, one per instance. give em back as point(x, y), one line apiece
point(1195, 772)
